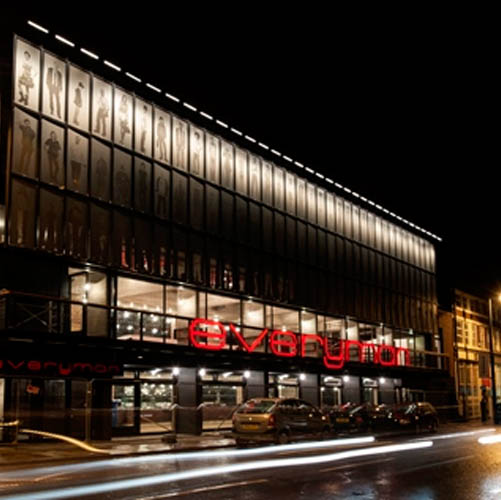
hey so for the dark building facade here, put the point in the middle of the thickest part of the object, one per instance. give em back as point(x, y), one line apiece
point(151, 257)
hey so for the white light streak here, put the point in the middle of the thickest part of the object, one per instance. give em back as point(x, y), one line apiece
point(319, 175)
point(89, 53)
point(458, 434)
point(235, 131)
point(219, 122)
point(113, 66)
point(189, 106)
point(186, 456)
point(172, 98)
point(126, 484)
point(152, 87)
point(133, 77)
point(300, 165)
point(38, 27)
point(355, 194)
point(310, 170)
point(287, 158)
point(370, 202)
point(251, 139)
point(490, 439)
point(64, 40)
point(205, 115)
point(329, 180)
point(264, 146)
point(338, 185)
point(275, 152)
point(347, 190)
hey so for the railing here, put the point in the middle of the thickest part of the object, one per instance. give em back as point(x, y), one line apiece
point(33, 313)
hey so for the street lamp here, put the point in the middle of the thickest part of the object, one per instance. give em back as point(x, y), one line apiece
point(493, 364)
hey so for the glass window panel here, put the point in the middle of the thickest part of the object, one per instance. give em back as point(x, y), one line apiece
point(285, 319)
point(290, 233)
point(255, 224)
point(267, 183)
point(312, 203)
point(22, 214)
point(347, 219)
point(242, 217)
point(161, 248)
point(227, 209)
point(77, 162)
point(123, 118)
point(301, 240)
point(143, 122)
point(212, 155)
point(76, 228)
point(54, 87)
point(25, 157)
point(267, 229)
point(27, 75)
point(101, 106)
point(223, 309)
point(279, 233)
point(142, 185)
point(312, 245)
point(52, 170)
point(253, 313)
point(331, 213)
point(241, 168)
point(255, 177)
point(180, 144)
point(227, 165)
point(339, 215)
point(100, 234)
point(196, 151)
point(143, 245)
point(301, 198)
point(100, 170)
point(212, 208)
point(179, 198)
point(78, 98)
point(308, 322)
point(162, 191)
point(51, 222)
point(356, 222)
point(290, 193)
point(122, 172)
point(321, 207)
point(278, 181)
point(139, 294)
point(196, 204)
point(181, 301)
point(162, 142)
point(122, 238)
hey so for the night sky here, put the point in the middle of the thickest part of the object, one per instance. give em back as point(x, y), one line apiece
point(404, 116)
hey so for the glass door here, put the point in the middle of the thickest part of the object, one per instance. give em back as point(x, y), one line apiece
point(124, 414)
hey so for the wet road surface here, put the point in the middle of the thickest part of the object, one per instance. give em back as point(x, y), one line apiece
point(438, 466)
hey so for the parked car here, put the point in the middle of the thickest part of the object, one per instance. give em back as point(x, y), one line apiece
point(351, 417)
point(278, 420)
point(416, 417)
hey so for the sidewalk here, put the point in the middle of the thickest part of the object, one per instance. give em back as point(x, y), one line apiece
point(27, 453)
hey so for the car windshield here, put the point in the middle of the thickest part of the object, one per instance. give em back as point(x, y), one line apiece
point(257, 406)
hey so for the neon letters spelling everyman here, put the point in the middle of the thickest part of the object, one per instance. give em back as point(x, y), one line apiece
point(288, 344)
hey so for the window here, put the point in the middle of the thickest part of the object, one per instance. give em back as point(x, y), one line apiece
point(224, 309)
point(253, 313)
point(181, 301)
point(137, 294)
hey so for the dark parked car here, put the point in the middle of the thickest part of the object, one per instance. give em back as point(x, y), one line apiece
point(351, 417)
point(278, 420)
point(415, 417)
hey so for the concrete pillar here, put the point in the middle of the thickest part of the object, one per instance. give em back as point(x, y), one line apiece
point(256, 387)
point(308, 389)
point(187, 387)
point(387, 391)
point(351, 389)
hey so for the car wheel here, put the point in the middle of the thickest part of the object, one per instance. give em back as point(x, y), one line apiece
point(283, 437)
point(433, 426)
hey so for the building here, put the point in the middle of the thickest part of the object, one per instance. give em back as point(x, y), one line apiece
point(151, 256)
point(467, 341)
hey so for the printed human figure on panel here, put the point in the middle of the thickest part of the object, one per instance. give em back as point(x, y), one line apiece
point(78, 98)
point(54, 90)
point(28, 73)
point(101, 106)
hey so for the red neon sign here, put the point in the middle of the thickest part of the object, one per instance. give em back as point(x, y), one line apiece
point(288, 344)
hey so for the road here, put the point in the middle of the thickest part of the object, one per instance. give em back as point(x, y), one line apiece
point(438, 466)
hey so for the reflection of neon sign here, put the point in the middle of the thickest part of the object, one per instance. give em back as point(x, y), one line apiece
point(58, 368)
point(212, 336)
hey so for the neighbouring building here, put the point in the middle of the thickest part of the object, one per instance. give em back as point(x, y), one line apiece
point(467, 342)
